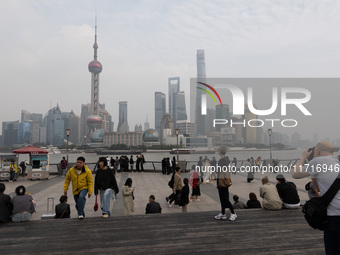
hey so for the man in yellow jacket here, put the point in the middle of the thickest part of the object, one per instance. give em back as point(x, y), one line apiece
point(82, 183)
point(13, 169)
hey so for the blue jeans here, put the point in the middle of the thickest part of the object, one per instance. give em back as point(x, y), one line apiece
point(105, 197)
point(332, 235)
point(80, 201)
point(19, 217)
point(11, 175)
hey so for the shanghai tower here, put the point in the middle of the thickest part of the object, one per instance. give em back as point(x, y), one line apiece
point(201, 77)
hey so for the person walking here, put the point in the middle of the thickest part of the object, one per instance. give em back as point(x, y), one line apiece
point(63, 167)
point(223, 183)
point(104, 183)
point(128, 197)
point(177, 187)
point(213, 163)
point(82, 184)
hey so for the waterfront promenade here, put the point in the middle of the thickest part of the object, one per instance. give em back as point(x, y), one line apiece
point(146, 183)
point(255, 231)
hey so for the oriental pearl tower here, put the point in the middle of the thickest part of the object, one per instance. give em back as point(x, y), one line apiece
point(94, 121)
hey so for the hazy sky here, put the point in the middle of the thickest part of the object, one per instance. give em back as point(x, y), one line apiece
point(47, 45)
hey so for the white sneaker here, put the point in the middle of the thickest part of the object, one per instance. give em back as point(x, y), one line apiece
point(80, 217)
point(221, 217)
point(233, 217)
point(169, 205)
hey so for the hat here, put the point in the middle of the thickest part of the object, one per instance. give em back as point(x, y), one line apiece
point(280, 178)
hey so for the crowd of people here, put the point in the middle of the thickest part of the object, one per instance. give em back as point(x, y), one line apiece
point(274, 197)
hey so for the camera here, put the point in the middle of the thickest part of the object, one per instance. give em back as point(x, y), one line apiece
point(311, 156)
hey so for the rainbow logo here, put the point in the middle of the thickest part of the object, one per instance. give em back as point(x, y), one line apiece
point(209, 93)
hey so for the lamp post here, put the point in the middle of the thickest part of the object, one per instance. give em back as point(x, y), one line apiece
point(68, 132)
point(270, 131)
point(177, 133)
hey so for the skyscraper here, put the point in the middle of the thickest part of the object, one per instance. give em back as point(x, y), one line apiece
point(73, 125)
point(159, 110)
point(10, 132)
point(166, 123)
point(146, 123)
point(201, 77)
point(222, 112)
point(55, 127)
point(24, 133)
point(123, 124)
point(174, 86)
point(179, 108)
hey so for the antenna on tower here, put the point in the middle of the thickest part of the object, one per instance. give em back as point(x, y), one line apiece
point(95, 28)
point(95, 46)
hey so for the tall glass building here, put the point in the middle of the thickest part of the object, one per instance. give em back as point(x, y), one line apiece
point(55, 127)
point(174, 85)
point(180, 112)
point(201, 77)
point(123, 124)
point(159, 110)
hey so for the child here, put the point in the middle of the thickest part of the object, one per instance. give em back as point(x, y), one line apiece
point(185, 195)
point(238, 204)
point(62, 210)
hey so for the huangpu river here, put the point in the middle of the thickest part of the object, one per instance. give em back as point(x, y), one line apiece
point(156, 157)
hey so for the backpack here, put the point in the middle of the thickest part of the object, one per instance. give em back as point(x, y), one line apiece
point(315, 213)
point(171, 182)
point(315, 209)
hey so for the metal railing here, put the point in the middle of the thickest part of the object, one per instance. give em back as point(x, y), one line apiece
point(157, 165)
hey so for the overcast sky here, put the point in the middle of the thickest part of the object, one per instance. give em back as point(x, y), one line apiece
point(47, 45)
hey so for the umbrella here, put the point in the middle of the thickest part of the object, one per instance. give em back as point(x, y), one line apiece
point(30, 150)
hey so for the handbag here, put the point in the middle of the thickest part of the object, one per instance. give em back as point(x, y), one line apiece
point(95, 207)
point(315, 209)
point(224, 180)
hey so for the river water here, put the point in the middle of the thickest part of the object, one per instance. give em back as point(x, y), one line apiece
point(158, 156)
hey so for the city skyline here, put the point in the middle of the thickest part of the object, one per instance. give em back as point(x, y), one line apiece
point(47, 48)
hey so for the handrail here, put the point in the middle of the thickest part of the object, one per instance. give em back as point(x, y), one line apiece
point(157, 165)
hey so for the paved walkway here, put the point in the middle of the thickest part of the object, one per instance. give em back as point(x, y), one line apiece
point(146, 183)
